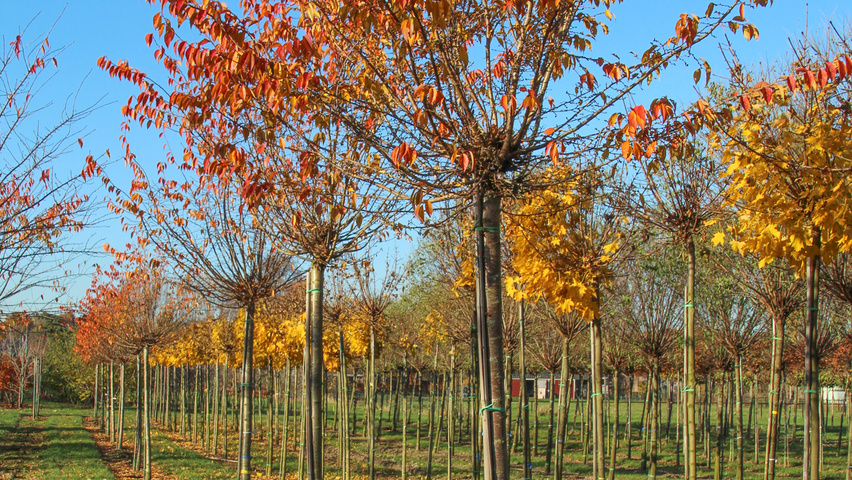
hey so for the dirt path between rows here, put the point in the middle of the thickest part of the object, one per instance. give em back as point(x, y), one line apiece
point(119, 462)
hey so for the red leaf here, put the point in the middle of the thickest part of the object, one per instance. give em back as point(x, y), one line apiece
point(832, 70)
point(791, 83)
point(149, 39)
point(767, 94)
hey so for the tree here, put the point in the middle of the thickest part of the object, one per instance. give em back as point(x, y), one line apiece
point(40, 199)
point(219, 251)
point(788, 163)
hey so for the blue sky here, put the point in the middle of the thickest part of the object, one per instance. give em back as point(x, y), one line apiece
point(116, 29)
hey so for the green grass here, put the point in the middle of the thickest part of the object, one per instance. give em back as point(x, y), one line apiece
point(388, 450)
point(55, 447)
point(59, 447)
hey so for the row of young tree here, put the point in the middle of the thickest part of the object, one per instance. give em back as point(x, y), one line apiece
point(308, 128)
point(194, 389)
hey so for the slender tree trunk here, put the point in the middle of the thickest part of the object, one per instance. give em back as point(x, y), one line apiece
point(450, 412)
point(270, 440)
point(404, 466)
point(371, 405)
point(137, 436)
point(524, 414)
point(223, 409)
point(95, 396)
point(812, 440)
point(146, 418)
point(283, 466)
point(597, 397)
point(654, 423)
point(689, 363)
point(432, 385)
point(111, 418)
point(344, 414)
point(738, 378)
point(473, 394)
point(562, 417)
point(120, 406)
point(317, 369)
point(771, 461)
point(720, 429)
point(549, 450)
point(613, 446)
point(216, 408)
point(629, 427)
point(247, 387)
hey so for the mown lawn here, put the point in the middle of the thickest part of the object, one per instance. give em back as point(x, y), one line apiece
point(55, 446)
point(58, 446)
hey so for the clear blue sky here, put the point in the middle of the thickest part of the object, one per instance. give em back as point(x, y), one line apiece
point(116, 28)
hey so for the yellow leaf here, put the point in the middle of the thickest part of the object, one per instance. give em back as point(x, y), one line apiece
point(719, 238)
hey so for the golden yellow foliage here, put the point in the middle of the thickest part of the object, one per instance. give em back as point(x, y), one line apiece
point(790, 166)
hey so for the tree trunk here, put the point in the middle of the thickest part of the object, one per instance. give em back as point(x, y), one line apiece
point(137, 437)
point(720, 429)
point(111, 422)
point(433, 382)
point(654, 423)
point(489, 287)
point(146, 417)
point(812, 440)
point(524, 414)
point(613, 446)
point(317, 369)
point(597, 397)
point(771, 461)
point(404, 467)
point(738, 378)
point(689, 363)
point(247, 387)
point(344, 414)
point(95, 396)
point(371, 406)
point(283, 467)
point(562, 417)
point(450, 412)
point(120, 407)
point(549, 450)
point(216, 408)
